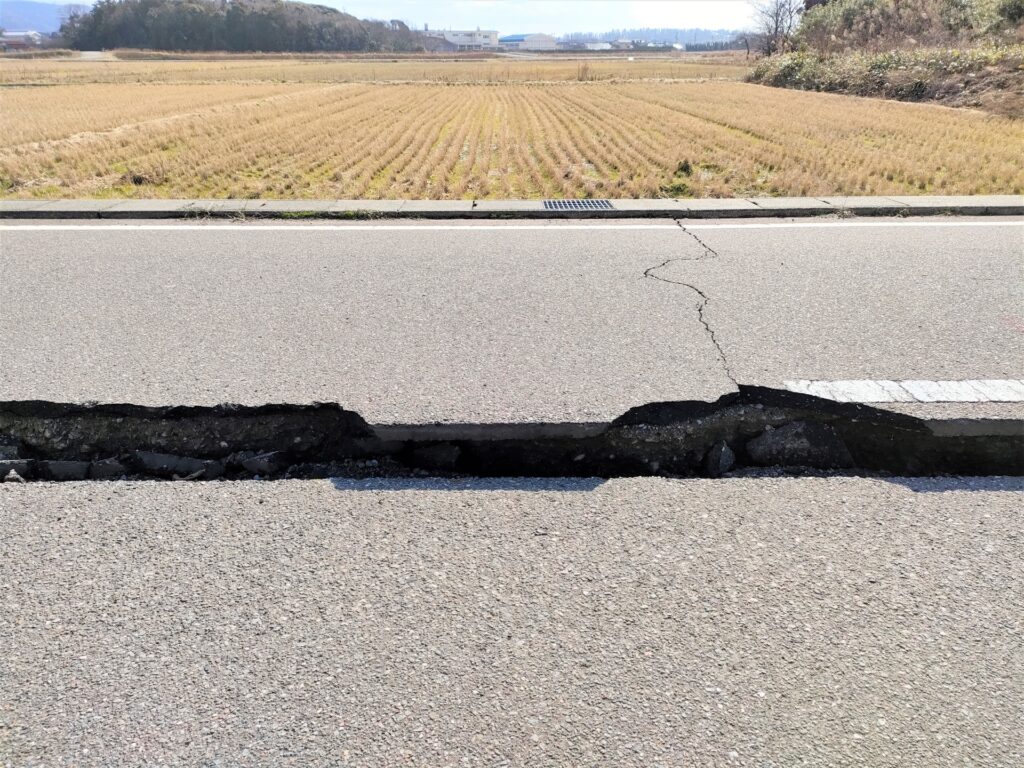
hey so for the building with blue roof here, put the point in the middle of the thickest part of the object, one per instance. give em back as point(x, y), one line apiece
point(528, 42)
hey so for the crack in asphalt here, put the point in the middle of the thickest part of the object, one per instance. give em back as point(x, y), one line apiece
point(702, 304)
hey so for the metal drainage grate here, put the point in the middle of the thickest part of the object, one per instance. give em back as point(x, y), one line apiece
point(578, 205)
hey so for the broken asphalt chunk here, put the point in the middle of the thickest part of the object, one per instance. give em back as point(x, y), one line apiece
point(107, 469)
point(800, 444)
point(177, 467)
point(63, 470)
point(20, 468)
point(719, 460)
point(271, 463)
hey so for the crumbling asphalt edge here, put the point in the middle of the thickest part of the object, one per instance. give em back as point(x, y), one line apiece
point(751, 428)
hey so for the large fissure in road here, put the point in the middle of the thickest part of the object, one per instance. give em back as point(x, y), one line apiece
point(752, 429)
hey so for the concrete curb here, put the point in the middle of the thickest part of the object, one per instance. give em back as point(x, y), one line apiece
point(727, 208)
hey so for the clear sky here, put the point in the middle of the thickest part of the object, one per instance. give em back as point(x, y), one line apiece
point(555, 17)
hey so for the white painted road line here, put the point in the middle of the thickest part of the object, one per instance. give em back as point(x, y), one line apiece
point(300, 227)
point(471, 227)
point(913, 390)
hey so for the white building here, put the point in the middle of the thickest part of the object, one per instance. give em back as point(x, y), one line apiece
point(531, 42)
point(478, 40)
point(599, 45)
point(16, 41)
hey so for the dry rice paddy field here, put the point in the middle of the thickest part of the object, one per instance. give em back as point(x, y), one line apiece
point(499, 128)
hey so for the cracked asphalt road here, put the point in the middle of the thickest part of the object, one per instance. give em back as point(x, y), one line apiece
point(645, 622)
point(500, 323)
point(887, 303)
point(400, 326)
point(702, 298)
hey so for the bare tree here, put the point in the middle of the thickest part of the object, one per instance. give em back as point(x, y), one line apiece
point(776, 20)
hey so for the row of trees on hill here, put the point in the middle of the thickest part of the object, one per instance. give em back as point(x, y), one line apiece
point(834, 25)
point(231, 25)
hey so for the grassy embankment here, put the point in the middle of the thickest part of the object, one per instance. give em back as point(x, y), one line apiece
point(989, 77)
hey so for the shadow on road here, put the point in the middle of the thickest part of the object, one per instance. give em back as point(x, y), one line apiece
point(521, 484)
point(588, 484)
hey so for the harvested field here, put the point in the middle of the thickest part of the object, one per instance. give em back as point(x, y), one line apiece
point(311, 69)
point(231, 133)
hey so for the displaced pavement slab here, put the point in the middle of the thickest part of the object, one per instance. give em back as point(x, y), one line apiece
point(519, 622)
point(411, 324)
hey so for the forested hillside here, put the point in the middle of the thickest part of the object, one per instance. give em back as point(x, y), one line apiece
point(236, 25)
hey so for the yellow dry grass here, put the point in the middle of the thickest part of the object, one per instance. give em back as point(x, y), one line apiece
point(109, 106)
point(642, 138)
point(328, 70)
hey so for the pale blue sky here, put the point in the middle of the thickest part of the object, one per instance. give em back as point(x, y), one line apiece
point(554, 16)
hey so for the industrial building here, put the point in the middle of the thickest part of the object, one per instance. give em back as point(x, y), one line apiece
point(584, 45)
point(462, 40)
point(529, 42)
point(19, 41)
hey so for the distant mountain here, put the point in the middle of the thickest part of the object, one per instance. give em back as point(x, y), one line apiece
point(666, 36)
point(22, 15)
